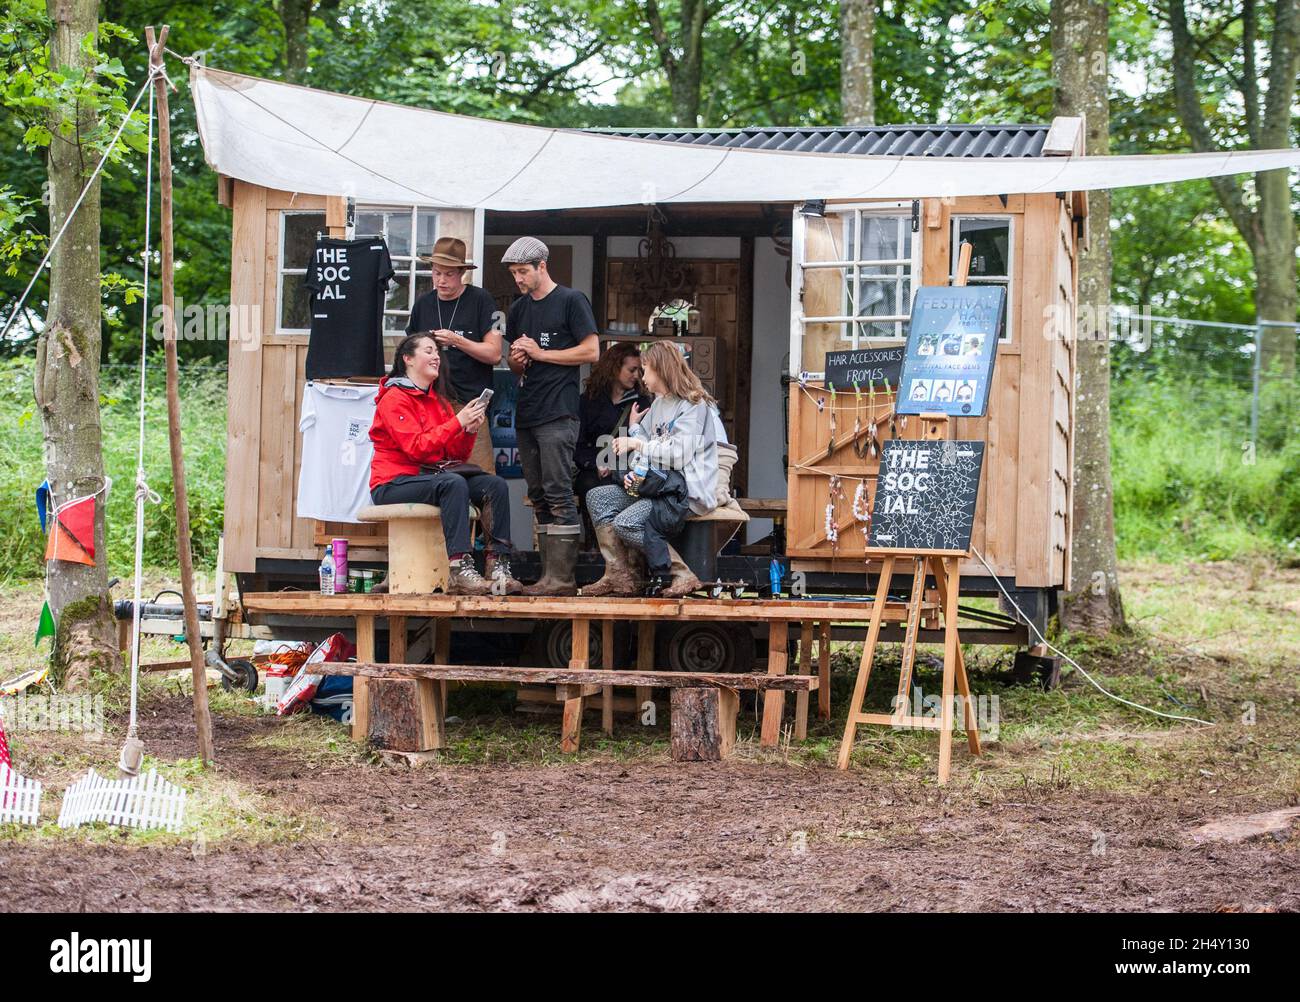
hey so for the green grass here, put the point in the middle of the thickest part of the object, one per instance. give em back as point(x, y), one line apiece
point(203, 436)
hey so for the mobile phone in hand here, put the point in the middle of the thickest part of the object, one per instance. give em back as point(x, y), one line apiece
point(485, 398)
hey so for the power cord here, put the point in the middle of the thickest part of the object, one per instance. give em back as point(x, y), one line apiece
point(1074, 664)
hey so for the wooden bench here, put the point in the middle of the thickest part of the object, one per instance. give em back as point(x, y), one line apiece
point(704, 704)
point(699, 544)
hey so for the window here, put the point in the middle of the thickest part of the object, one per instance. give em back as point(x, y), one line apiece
point(878, 280)
point(990, 238)
point(410, 232)
point(297, 241)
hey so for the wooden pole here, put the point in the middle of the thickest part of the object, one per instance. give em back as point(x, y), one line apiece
point(202, 717)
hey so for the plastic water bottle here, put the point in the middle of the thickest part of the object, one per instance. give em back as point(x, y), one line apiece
point(639, 472)
point(775, 573)
point(327, 572)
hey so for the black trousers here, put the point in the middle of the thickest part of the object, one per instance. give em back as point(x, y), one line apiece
point(453, 493)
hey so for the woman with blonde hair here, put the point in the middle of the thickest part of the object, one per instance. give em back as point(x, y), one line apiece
point(671, 454)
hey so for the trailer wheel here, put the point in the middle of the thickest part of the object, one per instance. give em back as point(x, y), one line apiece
point(558, 644)
point(711, 647)
point(248, 673)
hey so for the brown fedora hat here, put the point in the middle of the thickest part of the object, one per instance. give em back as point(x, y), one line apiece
point(450, 253)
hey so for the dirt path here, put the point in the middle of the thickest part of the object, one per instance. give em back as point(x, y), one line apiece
point(651, 835)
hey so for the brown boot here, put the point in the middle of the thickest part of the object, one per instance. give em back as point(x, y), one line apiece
point(542, 586)
point(559, 559)
point(465, 578)
point(498, 570)
point(684, 580)
point(618, 579)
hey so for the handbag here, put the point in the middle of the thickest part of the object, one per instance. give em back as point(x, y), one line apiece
point(453, 466)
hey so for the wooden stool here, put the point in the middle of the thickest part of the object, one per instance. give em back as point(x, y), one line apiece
point(417, 550)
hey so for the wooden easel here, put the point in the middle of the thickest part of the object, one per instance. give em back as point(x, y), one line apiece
point(945, 566)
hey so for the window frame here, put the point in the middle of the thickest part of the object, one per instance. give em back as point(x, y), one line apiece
point(1006, 281)
point(281, 271)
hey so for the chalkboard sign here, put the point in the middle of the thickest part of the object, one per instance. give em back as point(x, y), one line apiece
point(951, 346)
point(864, 366)
point(925, 495)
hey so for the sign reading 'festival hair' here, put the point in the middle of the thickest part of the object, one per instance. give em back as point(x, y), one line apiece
point(951, 346)
point(925, 495)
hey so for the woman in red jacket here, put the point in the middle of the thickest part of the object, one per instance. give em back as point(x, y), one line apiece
point(421, 447)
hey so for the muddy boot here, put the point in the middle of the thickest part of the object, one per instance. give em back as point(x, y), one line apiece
point(499, 576)
point(684, 580)
point(465, 578)
point(618, 579)
point(560, 561)
point(543, 584)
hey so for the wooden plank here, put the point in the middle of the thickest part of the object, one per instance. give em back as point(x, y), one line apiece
point(248, 324)
point(824, 671)
point(645, 660)
point(1064, 136)
point(579, 652)
point(951, 652)
point(360, 700)
point(942, 569)
point(774, 699)
point(864, 667)
point(607, 662)
point(753, 681)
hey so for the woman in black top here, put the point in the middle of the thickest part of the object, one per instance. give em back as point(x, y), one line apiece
point(611, 391)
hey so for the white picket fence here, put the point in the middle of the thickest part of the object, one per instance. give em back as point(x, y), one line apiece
point(146, 801)
point(20, 798)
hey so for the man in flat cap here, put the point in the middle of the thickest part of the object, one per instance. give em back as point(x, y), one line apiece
point(551, 331)
point(463, 320)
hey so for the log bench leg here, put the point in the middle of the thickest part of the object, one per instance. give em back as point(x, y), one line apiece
point(407, 715)
point(704, 724)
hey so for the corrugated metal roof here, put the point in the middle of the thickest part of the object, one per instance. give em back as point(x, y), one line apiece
point(873, 140)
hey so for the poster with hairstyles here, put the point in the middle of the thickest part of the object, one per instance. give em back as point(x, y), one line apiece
point(951, 346)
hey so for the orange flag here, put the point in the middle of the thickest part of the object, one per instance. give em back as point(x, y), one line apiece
point(72, 532)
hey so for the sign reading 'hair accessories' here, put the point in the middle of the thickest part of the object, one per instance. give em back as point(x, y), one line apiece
point(925, 495)
point(865, 367)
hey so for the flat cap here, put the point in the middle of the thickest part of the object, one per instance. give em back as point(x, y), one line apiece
point(526, 249)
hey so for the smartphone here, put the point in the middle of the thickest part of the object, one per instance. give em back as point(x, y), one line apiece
point(485, 397)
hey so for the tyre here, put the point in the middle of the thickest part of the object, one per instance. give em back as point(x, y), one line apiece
point(247, 672)
point(711, 647)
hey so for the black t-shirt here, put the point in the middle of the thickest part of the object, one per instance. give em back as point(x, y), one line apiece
point(471, 316)
point(347, 280)
point(562, 319)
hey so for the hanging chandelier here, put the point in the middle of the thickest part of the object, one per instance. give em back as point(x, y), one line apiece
point(657, 276)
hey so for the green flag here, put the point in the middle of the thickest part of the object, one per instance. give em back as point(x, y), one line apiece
point(45, 628)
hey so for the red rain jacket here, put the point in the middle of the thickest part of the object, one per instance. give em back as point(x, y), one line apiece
point(413, 427)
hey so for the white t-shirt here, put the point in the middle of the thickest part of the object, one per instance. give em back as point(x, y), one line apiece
point(334, 480)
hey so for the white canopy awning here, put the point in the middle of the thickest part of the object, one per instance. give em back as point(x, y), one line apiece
point(295, 138)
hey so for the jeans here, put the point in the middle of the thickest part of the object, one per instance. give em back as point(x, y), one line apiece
point(546, 454)
point(453, 493)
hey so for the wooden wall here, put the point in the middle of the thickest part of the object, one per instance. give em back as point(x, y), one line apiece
point(1022, 518)
point(267, 373)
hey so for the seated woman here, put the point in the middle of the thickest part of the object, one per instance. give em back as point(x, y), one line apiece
point(612, 390)
point(676, 443)
point(421, 447)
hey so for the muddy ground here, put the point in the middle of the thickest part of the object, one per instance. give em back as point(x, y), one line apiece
point(648, 834)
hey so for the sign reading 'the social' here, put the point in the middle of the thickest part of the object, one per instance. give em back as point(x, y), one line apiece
point(925, 495)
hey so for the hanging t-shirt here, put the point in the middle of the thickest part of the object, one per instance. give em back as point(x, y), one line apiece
point(334, 480)
point(348, 280)
point(561, 319)
point(472, 316)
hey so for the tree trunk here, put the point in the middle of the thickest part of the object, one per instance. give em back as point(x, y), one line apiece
point(857, 50)
point(294, 16)
point(684, 69)
point(1274, 252)
point(1080, 34)
point(67, 365)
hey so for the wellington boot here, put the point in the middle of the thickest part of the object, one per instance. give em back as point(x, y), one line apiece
point(559, 560)
point(618, 579)
point(543, 584)
point(684, 580)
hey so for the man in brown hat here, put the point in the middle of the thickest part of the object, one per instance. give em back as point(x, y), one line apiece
point(464, 321)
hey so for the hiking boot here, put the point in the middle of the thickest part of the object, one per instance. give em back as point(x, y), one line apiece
point(499, 576)
point(466, 580)
point(683, 581)
point(618, 579)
